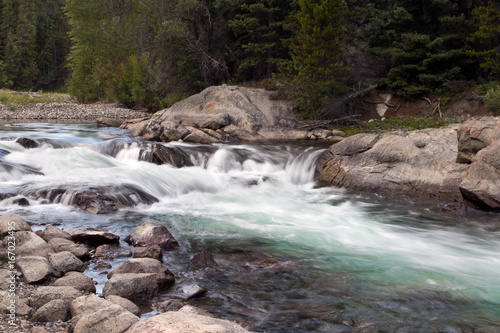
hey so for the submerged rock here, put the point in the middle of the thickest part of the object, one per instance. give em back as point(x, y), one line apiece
point(28, 143)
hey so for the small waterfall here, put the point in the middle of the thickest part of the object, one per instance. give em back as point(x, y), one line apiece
point(301, 170)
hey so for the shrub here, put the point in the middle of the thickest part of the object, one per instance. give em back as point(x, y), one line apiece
point(492, 100)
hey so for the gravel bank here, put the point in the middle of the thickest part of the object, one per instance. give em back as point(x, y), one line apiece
point(67, 111)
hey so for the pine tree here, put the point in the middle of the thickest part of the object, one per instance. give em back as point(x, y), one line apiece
point(26, 43)
point(318, 52)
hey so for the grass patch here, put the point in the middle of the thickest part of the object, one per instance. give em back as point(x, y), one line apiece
point(9, 97)
point(397, 124)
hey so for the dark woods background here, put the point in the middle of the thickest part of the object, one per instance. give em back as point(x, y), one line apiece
point(152, 53)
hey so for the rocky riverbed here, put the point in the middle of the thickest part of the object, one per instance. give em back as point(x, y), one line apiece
point(44, 288)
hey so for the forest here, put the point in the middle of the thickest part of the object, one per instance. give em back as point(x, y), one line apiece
point(153, 53)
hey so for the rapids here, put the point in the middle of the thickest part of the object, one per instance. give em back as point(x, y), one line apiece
point(343, 262)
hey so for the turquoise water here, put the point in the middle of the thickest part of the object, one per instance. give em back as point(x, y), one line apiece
point(346, 262)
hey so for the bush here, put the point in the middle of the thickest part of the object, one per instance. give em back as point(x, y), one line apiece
point(492, 100)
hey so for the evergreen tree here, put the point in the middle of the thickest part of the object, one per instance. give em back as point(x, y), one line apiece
point(318, 52)
point(25, 45)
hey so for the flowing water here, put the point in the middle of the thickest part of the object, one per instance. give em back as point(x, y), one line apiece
point(295, 258)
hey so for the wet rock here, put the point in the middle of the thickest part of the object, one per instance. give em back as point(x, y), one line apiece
point(30, 244)
point(267, 264)
point(109, 251)
point(164, 277)
point(153, 252)
point(168, 305)
point(108, 122)
point(51, 232)
point(95, 237)
point(21, 202)
point(124, 303)
point(148, 234)
point(76, 280)
point(52, 311)
point(64, 262)
point(169, 155)
point(45, 294)
point(97, 315)
point(204, 259)
point(184, 321)
point(139, 288)
point(192, 290)
point(34, 268)
point(101, 264)
point(60, 244)
point(28, 143)
point(16, 223)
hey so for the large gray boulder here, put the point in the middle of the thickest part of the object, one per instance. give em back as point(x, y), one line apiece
point(60, 244)
point(418, 163)
point(185, 320)
point(204, 117)
point(475, 135)
point(164, 277)
point(52, 232)
point(54, 310)
point(125, 303)
point(45, 294)
point(65, 261)
point(139, 288)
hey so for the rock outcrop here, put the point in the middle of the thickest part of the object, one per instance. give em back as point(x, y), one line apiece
point(458, 162)
point(224, 114)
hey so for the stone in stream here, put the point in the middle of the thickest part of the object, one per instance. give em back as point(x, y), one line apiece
point(110, 251)
point(139, 288)
point(60, 244)
point(51, 232)
point(148, 234)
point(76, 280)
point(28, 143)
point(153, 251)
point(34, 268)
point(95, 238)
point(12, 223)
point(164, 278)
point(186, 320)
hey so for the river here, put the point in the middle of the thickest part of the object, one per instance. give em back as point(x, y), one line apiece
point(296, 258)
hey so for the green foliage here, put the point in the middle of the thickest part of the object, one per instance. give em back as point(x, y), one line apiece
point(492, 100)
point(318, 53)
point(486, 39)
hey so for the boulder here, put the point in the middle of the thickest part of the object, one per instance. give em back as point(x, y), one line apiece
point(16, 223)
point(474, 135)
point(481, 184)
point(95, 238)
point(60, 244)
point(125, 303)
point(108, 122)
point(30, 244)
point(64, 262)
point(109, 251)
point(414, 163)
point(21, 304)
point(28, 143)
point(45, 294)
point(54, 310)
point(51, 232)
point(216, 108)
point(153, 251)
point(77, 280)
point(92, 314)
point(168, 305)
point(204, 259)
point(185, 321)
point(164, 277)
point(34, 268)
point(139, 288)
point(148, 234)
point(161, 154)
